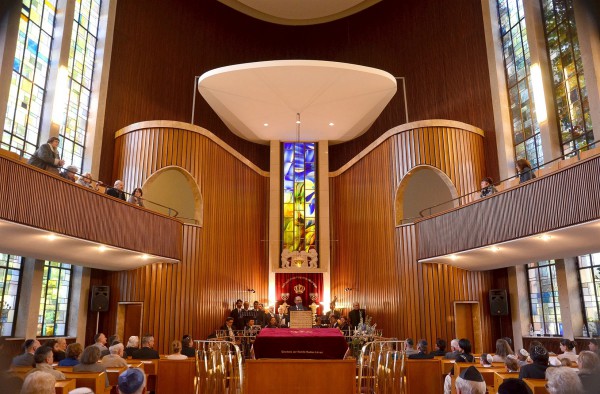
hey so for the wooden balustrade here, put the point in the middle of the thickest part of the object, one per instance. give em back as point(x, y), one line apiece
point(36, 198)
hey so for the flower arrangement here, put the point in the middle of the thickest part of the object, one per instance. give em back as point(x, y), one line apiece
point(365, 332)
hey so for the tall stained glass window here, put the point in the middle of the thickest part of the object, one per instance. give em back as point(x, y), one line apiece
point(10, 277)
point(543, 298)
point(570, 94)
point(299, 196)
point(589, 282)
point(81, 68)
point(54, 304)
point(526, 130)
point(29, 75)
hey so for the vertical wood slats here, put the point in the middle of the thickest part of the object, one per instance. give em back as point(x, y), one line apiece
point(379, 260)
point(36, 198)
point(220, 261)
point(562, 199)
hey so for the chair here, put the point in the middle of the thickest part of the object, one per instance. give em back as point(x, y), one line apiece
point(424, 376)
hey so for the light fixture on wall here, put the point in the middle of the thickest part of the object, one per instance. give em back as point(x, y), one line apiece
point(251, 291)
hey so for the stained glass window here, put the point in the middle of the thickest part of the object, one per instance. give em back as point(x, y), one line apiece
point(543, 298)
point(29, 75)
point(299, 196)
point(54, 304)
point(566, 66)
point(81, 68)
point(10, 278)
point(589, 282)
point(526, 130)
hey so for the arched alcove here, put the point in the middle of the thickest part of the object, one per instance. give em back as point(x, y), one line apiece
point(174, 187)
point(423, 187)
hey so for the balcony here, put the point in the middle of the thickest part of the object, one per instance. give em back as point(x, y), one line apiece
point(556, 215)
point(46, 217)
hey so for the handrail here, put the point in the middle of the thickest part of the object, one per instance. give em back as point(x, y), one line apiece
point(221, 361)
point(576, 152)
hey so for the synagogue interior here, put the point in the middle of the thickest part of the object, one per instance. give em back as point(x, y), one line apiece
point(396, 170)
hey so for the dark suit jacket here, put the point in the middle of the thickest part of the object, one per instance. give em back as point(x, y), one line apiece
point(23, 360)
point(188, 351)
point(111, 191)
point(146, 353)
point(238, 319)
point(354, 317)
point(420, 356)
point(44, 158)
point(294, 308)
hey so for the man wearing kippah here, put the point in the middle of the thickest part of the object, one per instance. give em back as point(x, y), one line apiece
point(470, 381)
point(132, 381)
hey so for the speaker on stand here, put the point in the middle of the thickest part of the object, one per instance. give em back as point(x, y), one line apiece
point(499, 304)
point(99, 301)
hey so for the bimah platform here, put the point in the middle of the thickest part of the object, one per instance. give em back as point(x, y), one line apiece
point(300, 343)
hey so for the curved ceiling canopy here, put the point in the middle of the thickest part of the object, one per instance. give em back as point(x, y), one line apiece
point(260, 101)
point(299, 12)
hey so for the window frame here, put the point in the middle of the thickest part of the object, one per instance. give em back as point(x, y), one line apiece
point(19, 286)
point(44, 295)
point(555, 304)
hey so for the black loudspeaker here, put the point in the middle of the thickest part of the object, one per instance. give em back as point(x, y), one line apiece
point(498, 302)
point(100, 298)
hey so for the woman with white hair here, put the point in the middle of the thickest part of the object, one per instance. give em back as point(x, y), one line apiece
point(132, 345)
point(589, 371)
point(38, 382)
point(563, 380)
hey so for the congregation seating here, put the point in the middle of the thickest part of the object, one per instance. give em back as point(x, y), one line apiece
point(65, 386)
point(424, 376)
point(175, 375)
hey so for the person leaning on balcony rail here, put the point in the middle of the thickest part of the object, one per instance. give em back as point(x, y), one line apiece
point(46, 156)
point(487, 187)
point(524, 170)
point(136, 197)
point(117, 190)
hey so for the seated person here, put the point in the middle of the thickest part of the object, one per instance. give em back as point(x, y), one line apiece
point(513, 386)
point(146, 352)
point(74, 350)
point(594, 346)
point(58, 347)
point(132, 345)
point(567, 347)
point(512, 364)
point(343, 325)
point(38, 382)
point(115, 358)
point(523, 357)
point(176, 351)
point(44, 358)
point(421, 351)
point(228, 328)
point(503, 349)
point(486, 360)
point(440, 347)
point(272, 323)
point(26, 359)
point(487, 187)
point(537, 369)
point(563, 381)
point(187, 346)
point(409, 347)
point(69, 173)
point(132, 381)
point(464, 348)
point(117, 190)
point(470, 381)
point(89, 362)
point(454, 350)
point(588, 364)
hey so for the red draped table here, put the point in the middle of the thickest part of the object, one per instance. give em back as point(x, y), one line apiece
point(300, 343)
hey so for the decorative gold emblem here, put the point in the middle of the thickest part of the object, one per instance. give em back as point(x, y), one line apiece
point(299, 289)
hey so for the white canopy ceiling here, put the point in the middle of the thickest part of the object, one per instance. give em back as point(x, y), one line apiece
point(260, 101)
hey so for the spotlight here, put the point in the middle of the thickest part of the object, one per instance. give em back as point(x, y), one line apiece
point(251, 290)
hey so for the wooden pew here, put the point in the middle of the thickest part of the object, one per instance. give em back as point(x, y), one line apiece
point(176, 375)
point(64, 386)
point(537, 386)
point(423, 376)
point(93, 380)
point(150, 369)
point(499, 377)
point(21, 371)
point(113, 375)
point(447, 366)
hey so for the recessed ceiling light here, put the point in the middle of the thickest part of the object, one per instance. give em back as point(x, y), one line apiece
point(51, 237)
point(145, 257)
point(453, 257)
point(266, 125)
point(298, 122)
point(545, 237)
point(331, 124)
point(102, 248)
point(495, 249)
